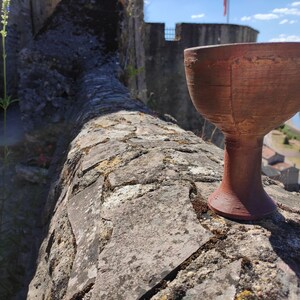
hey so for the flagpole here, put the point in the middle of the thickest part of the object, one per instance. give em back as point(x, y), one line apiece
point(227, 10)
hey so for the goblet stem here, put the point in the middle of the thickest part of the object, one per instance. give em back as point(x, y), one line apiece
point(241, 194)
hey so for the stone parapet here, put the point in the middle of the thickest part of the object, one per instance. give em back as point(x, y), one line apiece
point(128, 216)
point(201, 34)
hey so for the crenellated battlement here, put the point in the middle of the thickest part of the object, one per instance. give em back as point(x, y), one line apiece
point(202, 34)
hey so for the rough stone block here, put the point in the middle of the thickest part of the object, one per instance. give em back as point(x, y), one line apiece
point(152, 235)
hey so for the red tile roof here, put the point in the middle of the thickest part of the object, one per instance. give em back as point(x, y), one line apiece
point(282, 166)
point(267, 152)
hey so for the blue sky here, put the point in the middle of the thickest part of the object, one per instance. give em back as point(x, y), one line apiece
point(276, 20)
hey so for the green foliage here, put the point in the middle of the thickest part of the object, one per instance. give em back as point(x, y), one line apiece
point(291, 135)
point(4, 16)
point(133, 72)
point(3, 32)
point(6, 100)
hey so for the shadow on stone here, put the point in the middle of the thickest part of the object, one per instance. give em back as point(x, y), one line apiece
point(284, 239)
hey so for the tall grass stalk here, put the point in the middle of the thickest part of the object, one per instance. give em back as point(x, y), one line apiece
point(4, 103)
point(10, 229)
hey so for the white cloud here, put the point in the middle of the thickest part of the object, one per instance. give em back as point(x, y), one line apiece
point(283, 10)
point(265, 17)
point(286, 38)
point(146, 2)
point(284, 21)
point(287, 11)
point(197, 16)
point(277, 13)
point(245, 18)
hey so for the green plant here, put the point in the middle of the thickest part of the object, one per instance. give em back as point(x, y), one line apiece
point(133, 72)
point(9, 272)
point(6, 101)
point(290, 133)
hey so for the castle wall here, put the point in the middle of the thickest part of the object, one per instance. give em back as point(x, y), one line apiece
point(25, 19)
point(165, 77)
point(145, 55)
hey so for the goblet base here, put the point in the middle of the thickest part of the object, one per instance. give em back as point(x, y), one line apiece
point(251, 207)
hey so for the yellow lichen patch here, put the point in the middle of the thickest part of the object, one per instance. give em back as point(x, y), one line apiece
point(107, 166)
point(164, 297)
point(106, 233)
point(104, 123)
point(169, 160)
point(245, 295)
point(220, 220)
point(183, 142)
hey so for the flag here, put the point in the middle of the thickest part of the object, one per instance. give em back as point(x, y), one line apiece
point(225, 7)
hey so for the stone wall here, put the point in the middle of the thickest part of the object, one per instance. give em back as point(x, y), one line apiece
point(144, 56)
point(27, 17)
point(40, 11)
point(25, 20)
point(30, 14)
point(128, 215)
point(165, 77)
point(51, 65)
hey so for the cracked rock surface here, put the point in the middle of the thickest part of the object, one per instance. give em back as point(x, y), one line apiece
point(132, 222)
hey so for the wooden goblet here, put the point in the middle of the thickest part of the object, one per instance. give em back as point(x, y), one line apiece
point(245, 90)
